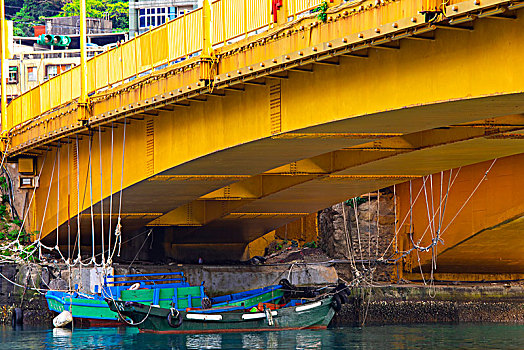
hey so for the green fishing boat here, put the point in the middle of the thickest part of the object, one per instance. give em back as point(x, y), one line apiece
point(295, 315)
point(194, 297)
point(281, 307)
point(92, 310)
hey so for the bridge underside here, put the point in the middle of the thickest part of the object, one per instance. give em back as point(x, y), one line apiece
point(492, 251)
point(482, 220)
point(244, 159)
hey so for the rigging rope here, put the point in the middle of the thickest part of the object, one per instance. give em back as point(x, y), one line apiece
point(68, 208)
point(17, 240)
point(40, 245)
point(118, 230)
point(378, 224)
point(109, 257)
point(58, 198)
point(101, 194)
point(93, 261)
point(358, 232)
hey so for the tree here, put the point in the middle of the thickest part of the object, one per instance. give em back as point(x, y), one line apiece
point(12, 7)
point(119, 15)
point(115, 10)
point(32, 13)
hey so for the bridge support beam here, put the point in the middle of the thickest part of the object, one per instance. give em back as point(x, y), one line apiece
point(327, 167)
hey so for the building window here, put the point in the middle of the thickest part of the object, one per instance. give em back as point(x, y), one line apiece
point(13, 75)
point(32, 74)
point(173, 12)
point(51, 71)
point(55, 69)
point(152, 17)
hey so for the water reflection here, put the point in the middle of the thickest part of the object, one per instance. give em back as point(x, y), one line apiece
point(253, 341)
point(204, 341)
point(306, 341)
point(472, 336)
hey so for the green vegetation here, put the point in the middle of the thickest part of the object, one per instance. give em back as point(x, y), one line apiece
point(322, 11)
point(358, 201)
point(31, 13)
point(115, 10)
point(11, 230)
point(312, 244)
point(28, 13)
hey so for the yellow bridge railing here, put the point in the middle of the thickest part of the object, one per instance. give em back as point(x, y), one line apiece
point(171, 42)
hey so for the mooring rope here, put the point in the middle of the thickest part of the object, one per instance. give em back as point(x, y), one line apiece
point(101, 194)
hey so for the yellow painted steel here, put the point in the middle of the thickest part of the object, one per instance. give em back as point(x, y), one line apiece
point(100, 66)
point(218, 20)
point(3, 68)
point(193, 31)
point(234, 9)
point(482, 222)
point(257, 12)
point(297, 7)
point(116, 73)
point(178, 38)
point(159, 52)
point(232, 133)
point(84, 68)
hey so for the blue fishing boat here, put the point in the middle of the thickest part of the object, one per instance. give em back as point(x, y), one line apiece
point(92, 309)
point(147, 289)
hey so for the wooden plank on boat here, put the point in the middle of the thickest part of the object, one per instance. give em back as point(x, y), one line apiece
point(308, 306)
point(203, 317)
point(257, 315)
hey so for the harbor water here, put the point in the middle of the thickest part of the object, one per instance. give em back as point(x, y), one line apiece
point(435, 336)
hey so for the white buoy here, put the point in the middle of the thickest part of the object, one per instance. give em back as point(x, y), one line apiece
point(63, 319)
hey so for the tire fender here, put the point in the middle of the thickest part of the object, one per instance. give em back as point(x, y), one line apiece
point(286, 284)
point(336, 303)
point(343, 297)
point(174, 319)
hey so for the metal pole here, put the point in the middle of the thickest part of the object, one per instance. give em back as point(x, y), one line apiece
point(3, 62)
point(82, 101)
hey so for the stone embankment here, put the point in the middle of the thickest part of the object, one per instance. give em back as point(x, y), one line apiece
point(439, 304)
point(366, 235)
point(31, 304)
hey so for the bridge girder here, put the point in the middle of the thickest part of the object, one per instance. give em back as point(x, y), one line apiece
point(336, 165)
point(426, 84)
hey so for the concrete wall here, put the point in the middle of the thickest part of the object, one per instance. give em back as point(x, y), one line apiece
point(225, 279)
point(71, 25)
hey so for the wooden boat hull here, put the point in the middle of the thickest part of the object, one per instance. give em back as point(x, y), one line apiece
point(313, 315)
point(94, 311)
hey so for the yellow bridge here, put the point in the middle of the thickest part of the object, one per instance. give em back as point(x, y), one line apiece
point(231, 121)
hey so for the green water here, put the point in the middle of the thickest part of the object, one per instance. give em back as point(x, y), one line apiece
point(466, 336)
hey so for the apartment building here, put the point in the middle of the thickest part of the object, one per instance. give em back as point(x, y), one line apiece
point(28, 69)
point(147, 14)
